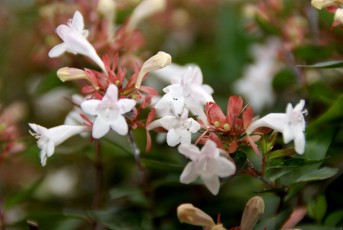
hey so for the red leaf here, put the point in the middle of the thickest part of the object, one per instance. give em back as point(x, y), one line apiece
point(248, 115)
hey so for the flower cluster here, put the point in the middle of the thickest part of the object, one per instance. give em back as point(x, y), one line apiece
point(114, 99)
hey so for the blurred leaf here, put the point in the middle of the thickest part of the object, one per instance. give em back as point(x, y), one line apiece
point(319, 174)
point(284, 79)
point(318, 145)
point(131, 193)
point(326, 64)
point(305, 53)
point(22, 195)
point(159, 165)
point(317, 208)
point(239, 157)
point(274, 222)
point(314, 227)
point(334, 219)
point(281, 153)
point(332, 115)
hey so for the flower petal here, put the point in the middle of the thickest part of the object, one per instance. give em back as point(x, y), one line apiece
point(212, 183)
point(100, 128)
point(90, 106)
point(210, 148)
point(120, 125)
point(57, 50)
point(190, 151)
point(173, 138)
point(77, 21)
point(224, 167)
point(276, 121)
point(111, 93)
point(287, 134)
point(186, 137)
point(125, 105)
point(299, 142)
point(189, 174)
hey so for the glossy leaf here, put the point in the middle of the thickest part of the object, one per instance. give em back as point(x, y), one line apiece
point(321, 174)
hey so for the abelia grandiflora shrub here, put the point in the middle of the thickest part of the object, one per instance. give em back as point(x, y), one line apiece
point(115, 97)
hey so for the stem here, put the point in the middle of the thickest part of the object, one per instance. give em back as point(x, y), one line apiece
point(98, 179)
point(135, 150)
point(2, 217)
point(259, 175)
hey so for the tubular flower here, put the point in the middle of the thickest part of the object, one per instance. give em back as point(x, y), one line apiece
point(291, 124)
point(48, 139)
point(180, 129)
point(75, 40)
point(206, 163)
point(109, 112)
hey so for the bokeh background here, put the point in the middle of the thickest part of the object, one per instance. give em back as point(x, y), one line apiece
point(261, 41)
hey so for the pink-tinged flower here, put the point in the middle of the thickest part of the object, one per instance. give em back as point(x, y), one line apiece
point(207, 164)
point(48, 139)
point(109, 112)
point(291, 124)
point(75, 40)
point(180, 129)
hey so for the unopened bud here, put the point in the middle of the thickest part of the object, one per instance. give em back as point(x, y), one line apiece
point(158, 61)
point(226, 126)
point(252, 213)
point(145, 9)
point(71, 74)
point(218, 227)
point(106, 7)
point(187, 213)
point(319, 4)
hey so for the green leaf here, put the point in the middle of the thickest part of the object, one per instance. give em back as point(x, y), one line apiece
point(334, 219)
point(239, 157)
point(159, 165)
point(321, 174)
point(326, 64)
point(317, 208)
point(275, 222)
point(332, 115)
point(281, 153)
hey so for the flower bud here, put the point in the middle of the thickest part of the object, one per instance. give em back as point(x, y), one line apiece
point(70, 74)
point(252, 213)
point(145, 9)
point(319, 4)
point(158, 61)
point(187, 213)
point(338, 18)
point(106, 7)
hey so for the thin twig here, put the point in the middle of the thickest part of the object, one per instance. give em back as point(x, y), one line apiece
point(98, 177)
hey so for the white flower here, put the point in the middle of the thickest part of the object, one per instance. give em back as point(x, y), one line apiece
point(180, 129)
point(206, 163)
point(187, 92)
point(291, 124)
point(145, 9)
point(48, 139)
point(75, 40)
point(256, 84)
point(109, 112)
point(319, 4)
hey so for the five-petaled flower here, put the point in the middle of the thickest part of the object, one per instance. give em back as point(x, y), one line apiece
point(180, 129)
point(291, 124)
point(187, 93)
point(109, 112)
point(75, 40)
point(207, 164)
point(48, 139)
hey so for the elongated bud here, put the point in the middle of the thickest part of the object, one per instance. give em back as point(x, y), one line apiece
point(158, 61)
point(187, 213)
point(252, 213)
point(218, 227)
point(145, 9)
point(319, 4)
point(71, 74)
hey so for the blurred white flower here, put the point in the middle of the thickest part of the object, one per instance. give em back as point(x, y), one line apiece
point(207, 164)
point(319, 4)
point(180, 129)
point(109, 112)
point(145, 9)
point(291, 124)
point(75, 40)
point(48, 139)
point(256, 84)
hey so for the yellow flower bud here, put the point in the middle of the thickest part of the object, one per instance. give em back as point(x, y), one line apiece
point(158, 61)
point(71, 74)
point(189, 214)
point(252, 213)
